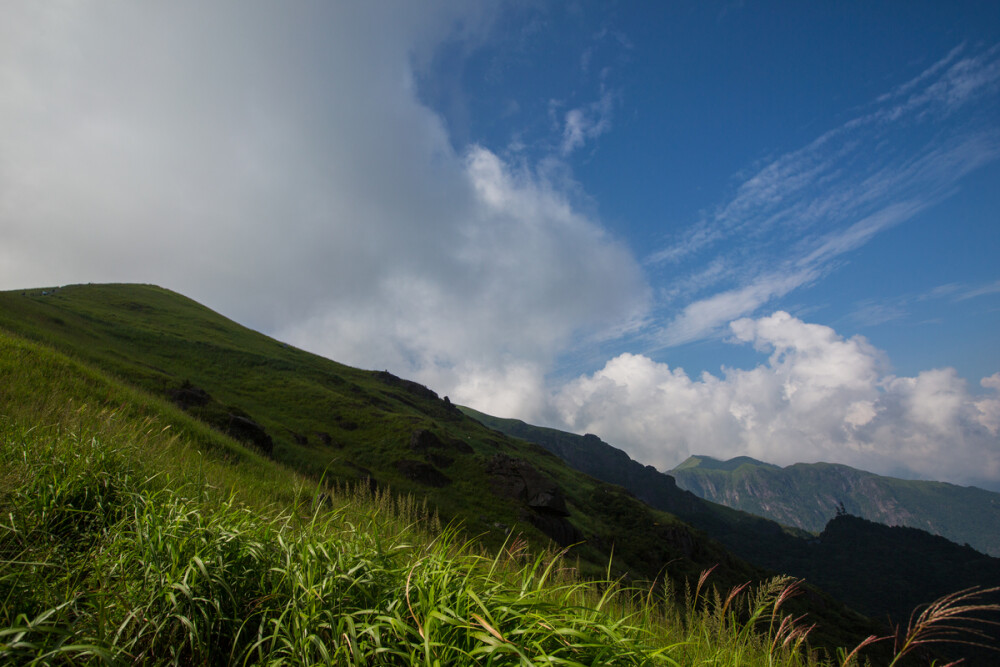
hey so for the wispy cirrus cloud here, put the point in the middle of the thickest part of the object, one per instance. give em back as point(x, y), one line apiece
point(795, 217)
point(872, 312)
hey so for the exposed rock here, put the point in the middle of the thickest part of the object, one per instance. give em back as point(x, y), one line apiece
point(518, 479)
point(325, 438)
point(188, 396)
point(440, 460)
point(300, 439)
point(422, 473)
point(556, 527)
point(247, 430)
point(409, 385)
point(422, 440)
point(447, 409)
point(347, 424)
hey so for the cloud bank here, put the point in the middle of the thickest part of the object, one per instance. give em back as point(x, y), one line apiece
point(279, 166)
point(819, 397)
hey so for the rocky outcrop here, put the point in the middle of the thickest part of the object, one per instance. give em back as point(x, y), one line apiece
point(437, 451)
point(556, 528)
point(428, 443)
point(188, 396)
point(545, 504)
point(441, 407)
point(518, 479)
point(249, 431)
point(231, 420)
point(422, 473)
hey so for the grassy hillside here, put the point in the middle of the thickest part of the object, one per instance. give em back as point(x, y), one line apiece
point(239, 443)
point(327, 420)
point(134, 534)
point(806, 495)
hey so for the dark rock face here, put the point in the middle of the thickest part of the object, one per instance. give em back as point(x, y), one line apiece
point(325, 438)
point(423, 441)
point(440, 460)
point(556, 528)
point(422, 473)
point(347, 424)
point(518, 479)
point(188, 396)
point(415, 389)
point(247, 430)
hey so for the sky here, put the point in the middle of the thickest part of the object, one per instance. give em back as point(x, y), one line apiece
point(691, 228)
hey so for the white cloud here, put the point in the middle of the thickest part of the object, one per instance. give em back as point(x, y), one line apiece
point(819, 397)
point(586, 123)
point(277, 164)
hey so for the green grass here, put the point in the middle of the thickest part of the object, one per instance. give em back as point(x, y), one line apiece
point(132, 535)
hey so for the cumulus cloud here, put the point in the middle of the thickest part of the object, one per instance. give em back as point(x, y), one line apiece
point(279, 166)
point(819, 397)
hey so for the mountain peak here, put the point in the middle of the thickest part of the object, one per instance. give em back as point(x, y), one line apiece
point(710, 463)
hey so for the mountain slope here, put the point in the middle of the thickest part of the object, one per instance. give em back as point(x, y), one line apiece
point(135, 534)
point(343, 425)
point(806, 495)
point(347, 425)
point(921, 566)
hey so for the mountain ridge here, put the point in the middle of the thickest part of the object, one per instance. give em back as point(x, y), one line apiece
point(856, 576)
point(807, 495)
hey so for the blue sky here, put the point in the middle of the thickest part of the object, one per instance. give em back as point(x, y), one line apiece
point(690, 101)
point(764, 229)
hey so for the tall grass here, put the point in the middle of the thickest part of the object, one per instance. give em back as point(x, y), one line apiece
point(129, 536)
point(105, 562)
point(112, 556)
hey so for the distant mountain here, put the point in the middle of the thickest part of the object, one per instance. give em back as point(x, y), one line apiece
point(882, 571)
point(806, 495)
point(908, 562)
